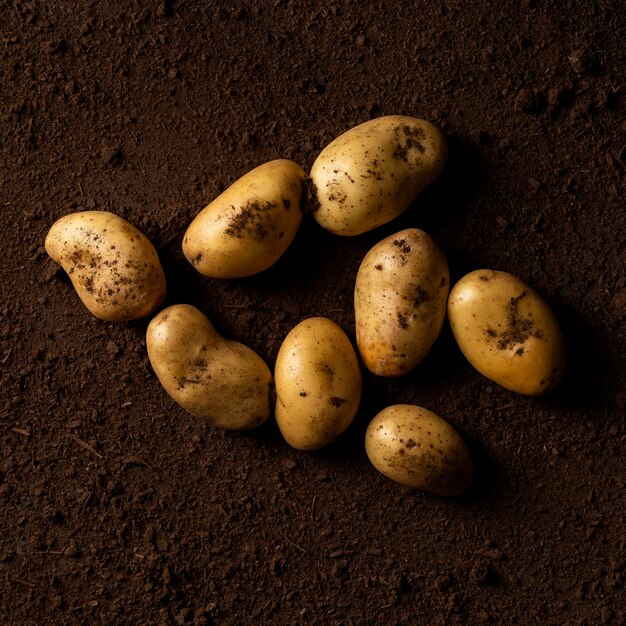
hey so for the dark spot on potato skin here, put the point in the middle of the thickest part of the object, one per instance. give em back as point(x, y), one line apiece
point(379, 267)
point(287, 203)
point(89, 284)
point(484, 278)
point(421, 296)
point(303, 394)
point(402, 321)
point(327, 370)
point(401, 243)
point(407, 138)
point(183, 382)
point(336, 192)
point(337, 402)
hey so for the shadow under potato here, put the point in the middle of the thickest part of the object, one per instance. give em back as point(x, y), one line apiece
point(442, 202)
point(585, 369)
point(301, 260)
point(488, 476)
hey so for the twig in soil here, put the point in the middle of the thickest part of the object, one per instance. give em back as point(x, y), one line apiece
point(21, 431)
point(386, 606)
point(295, 545)
point(84, 444)
point(313, 507)
point(134, 460)
point(7, 355)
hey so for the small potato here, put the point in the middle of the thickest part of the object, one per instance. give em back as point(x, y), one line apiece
point(113, 267)
point(372, 172)
point(222, 381)
point(507, 332)
point(318, 384)
point(416, 448)
point(247, 228)
point(400, 301)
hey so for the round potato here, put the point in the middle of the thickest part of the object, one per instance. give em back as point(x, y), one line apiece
point(507, 332)
point(114, 268)
point(214, 378)
point(247, 228)
point(318, 384)
point(400, 301)
point(371, 173)
point(416, 448)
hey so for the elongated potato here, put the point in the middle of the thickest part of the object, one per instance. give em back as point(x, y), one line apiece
point(212, 377)
point(372, 172)
point(400, 301)
point(507, 332)
point(247, 228)
point(113, 266)
point(416, 448)
point(318, 384)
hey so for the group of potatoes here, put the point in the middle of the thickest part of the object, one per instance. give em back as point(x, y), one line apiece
point(361, 180)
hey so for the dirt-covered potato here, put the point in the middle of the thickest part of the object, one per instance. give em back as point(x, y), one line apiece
point(249, 226)
point(372, 172)
point(220, 380)
point(400, 301)
point(114, 268)
point(416, 448)
point(507, 332)
point(318, 384)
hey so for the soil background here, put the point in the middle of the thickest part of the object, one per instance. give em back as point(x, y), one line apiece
point(117, 506)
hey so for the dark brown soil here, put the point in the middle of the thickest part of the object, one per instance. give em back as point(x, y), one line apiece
point(117, 506)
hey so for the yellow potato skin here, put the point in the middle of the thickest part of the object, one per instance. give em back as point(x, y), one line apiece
point(318, 384)
point(211, 377)
point(416, 448)
point(400, 300)
point(113, 266)
point(249, 226)
point(507, 332)
point(370, 174)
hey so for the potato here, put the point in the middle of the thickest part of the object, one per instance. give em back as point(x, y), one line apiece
point(247, 228)
point(372, 172)
point(416, 448)
point(214, 378)
point(318, 384)
point(400, 301)
point(507, 332)
point(113, 267)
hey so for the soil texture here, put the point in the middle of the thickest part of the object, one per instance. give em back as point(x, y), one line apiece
point(119, 507)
